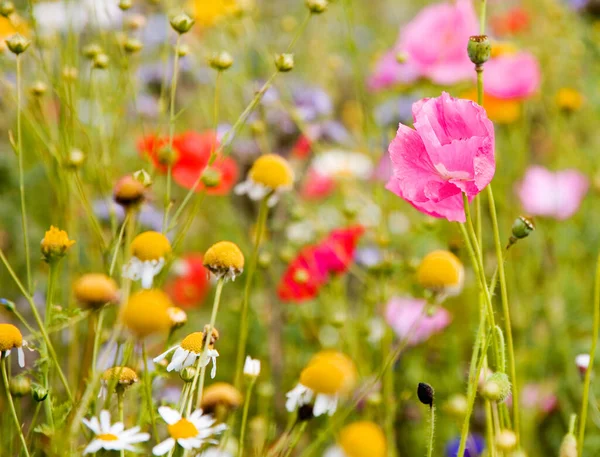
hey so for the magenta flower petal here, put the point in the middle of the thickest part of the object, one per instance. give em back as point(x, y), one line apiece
point(406, 317)
point(512, 76)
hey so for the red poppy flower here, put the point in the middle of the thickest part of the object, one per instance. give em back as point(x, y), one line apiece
point(189, 288)
point(310, 270)
point(302, 148)
point(317, 186)
point(225, 167)
point(512, 22)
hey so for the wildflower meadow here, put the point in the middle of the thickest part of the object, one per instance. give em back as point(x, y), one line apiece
point(299, 228)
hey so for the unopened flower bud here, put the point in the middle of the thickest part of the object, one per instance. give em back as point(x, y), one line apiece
point(221, 60)
point(17, 43)
point(39, 393)
point(129, 191)
point(568, 447)
point(135, 21)
point(92, 50)
point(258, 127)
point(132, 45)
point(166, 155)
point(211, 177)
point(522, 227)
point(70, 74)
point(182, 23)
point(100, 61)
point(144, 177)
point(75, 158)
point(284, 62)
point(264, 259)
point(506, 440)
point(479, 49)
point(425, 393)
point(125, 4)
point(38, 88)
point(251, 367)
point(316, 6)
point(456, 406)
point(496, 387)
point(187, 374)
point(6, 9)
point(20, 386)
point(182, 50)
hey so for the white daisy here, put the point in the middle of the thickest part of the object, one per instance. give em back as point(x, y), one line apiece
point(190, 433)
point(145, 271)
point(251, 367)
point(334, 451)
point(11, 338)
point(339, 164)
point(148, 252)
point(112, 437)
point(270, 175)
point(583, 362)
point(188, 351)
point(302, 395)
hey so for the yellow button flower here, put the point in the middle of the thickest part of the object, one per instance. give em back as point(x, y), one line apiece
point(11, 338)
point(55, 244)
point(220, 394)
point(129, 191)
point(146, 313)
point(362, 439)
point(120, 377)
point(95, 289)
point(224, 259)
point(270, 176)
point(208, 12)
point(441, 271)
point(149, 251)
point(569, 99)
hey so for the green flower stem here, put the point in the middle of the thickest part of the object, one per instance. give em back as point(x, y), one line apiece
point(241, 351)
point(296, 440)
point(97, 337)
point(588, 372)
point(506, 312)
point(148, 390)
point(113, 262)
point(120, 395)
point(24, 224)
point(245, 417)
point(11, 404)
point(431, 431)
point(207, 339)
point(171, 133)
point(47, 320)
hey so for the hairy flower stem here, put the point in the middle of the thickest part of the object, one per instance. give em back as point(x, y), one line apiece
point(97, 337)
point(245, 417)
point(172, 118)
point(241, 351)
point(11, 404)
point(47, 320)
point(148, 390)
point(207, 339)
point(120, 395)
point(588, 372)
point(295, 440)
point(431, 431)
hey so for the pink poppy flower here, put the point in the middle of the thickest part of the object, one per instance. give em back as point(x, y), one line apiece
point(512, 76)
point(538, 397)
point(450, 151)
point(552, 194)
point(404, 313)
point(316, 186)
point(434, 46)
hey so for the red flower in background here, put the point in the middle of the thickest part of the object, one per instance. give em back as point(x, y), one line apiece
point(310, 270)
point(514, 21)
point(192, 152)
point(302, 148)
point(189, 288)
point(317, 186)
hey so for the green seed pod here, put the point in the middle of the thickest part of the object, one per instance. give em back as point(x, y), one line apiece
point(284, 62)
point(17, 43)
point(187, 374)
point(39, 393)
point(522, 227)
point(221, 60)
point(479, 49)
point(496, 388)
point(316, 6)
point(211, 177)
point(182, 23)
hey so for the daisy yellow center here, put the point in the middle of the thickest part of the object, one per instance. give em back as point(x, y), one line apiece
point(146, 313)
point(123, 375)
point(95, 288)
point(224, 255)
point(569, 99)
point(439, 269)
point(272, 171)
point(183, 429)
point(10, 337)
point(323, 378)
point(363, 439)
point(107, 437)
point(193, 342)
point(150, 246)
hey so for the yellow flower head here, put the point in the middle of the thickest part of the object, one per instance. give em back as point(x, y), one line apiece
point(123, 376)
point(362, 439)
point(95, 289)
point(194, 342)
point(569, 99)
point(224, 259)
point(441, 271)
point(272, 171)
point(503, 48)
point(146, 313)
point(10, 337)
point(150, 246)
point(220, 393)
point(329, 372)
point(207, 12)
point(55, 244)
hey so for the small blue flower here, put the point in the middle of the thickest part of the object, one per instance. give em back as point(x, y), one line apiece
point(475, 446)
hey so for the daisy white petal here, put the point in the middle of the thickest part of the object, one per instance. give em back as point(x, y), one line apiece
point(164, 447)
point(169, 415)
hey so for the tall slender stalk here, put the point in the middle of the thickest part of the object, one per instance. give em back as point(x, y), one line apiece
point(148, 390)
point(431, 431)
point(241, 351)
point(588, 372)
point(245, 417)
point(11, 404)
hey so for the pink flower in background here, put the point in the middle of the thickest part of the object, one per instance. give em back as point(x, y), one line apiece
point(404, 313)
point(538, 397)
point(512, 76)
point(450, 151)
point(434, 46)
point(552, 194)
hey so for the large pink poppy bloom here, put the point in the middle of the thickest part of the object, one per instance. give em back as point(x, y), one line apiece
point(408, 319)
point(512, 76)
point(552, 194)
point(434, 45)
point(449, 151)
